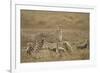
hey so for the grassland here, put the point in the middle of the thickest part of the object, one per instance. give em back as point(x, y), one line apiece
point(75, 28)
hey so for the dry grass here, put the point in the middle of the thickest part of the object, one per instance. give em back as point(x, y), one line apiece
point(75, 30)
point(47, 55)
